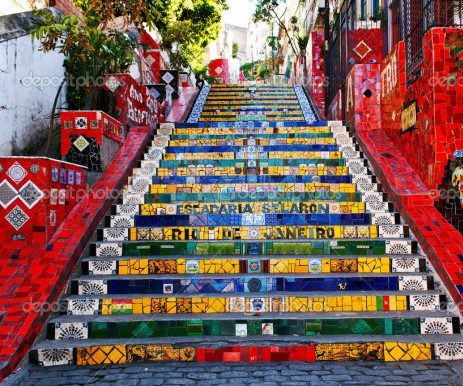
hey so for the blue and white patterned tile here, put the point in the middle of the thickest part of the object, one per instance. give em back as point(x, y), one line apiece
point(199, 104)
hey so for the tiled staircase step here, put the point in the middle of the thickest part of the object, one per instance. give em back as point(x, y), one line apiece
point(204, 129)
point(207, 265)
point(238, 149)
point(255, 187)
point(236, 142)
point(251, 207)
point(410, 256)
point(253, 349)
point(375, 199)
point(254, 284)
point(262, 117)
point(130, 233)
point(171, 164)
point(68, 329)
point(259, 155)
point(248, 208)
point(330, 126)
point(389, 222)
point(220, 266)
point(432, 311)
point(250, 137)
point(253, 179)
point(334, 303)
point(261, 340)
point(277, 173)
point(238, 248)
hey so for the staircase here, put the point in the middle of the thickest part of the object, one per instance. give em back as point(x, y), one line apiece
point(248, 234)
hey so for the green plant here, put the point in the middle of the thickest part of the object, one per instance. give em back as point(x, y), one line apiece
point(269, 11)
point(379, 15)
point(273, 42)
point(203, 73)
point(235, 50)
point(188, 27)
point(90, 52)
point(302, 42)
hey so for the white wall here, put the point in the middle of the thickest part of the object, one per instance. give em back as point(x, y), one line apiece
point(29, 80)
point(15, 6)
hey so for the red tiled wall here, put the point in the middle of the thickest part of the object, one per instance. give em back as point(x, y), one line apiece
point(393, 91)
point(98, 124)
point(316, 71)
point(334, 112)
point(438, 131)
point(363, 97)
point(365, 46)
point(136, 106)
point(219, 69)
point(58, 185)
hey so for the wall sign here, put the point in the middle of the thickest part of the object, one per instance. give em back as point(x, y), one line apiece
point(409, 116)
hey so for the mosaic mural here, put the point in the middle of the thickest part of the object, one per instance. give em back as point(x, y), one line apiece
point(82, 138)
point(135, 105)
point(36, 194)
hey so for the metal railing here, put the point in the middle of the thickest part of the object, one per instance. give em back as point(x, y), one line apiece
point(418, 17)
point(340, 43)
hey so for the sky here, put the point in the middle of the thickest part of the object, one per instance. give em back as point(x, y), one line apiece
point(239, 13)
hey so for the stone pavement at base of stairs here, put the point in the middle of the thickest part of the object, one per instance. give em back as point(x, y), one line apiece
point(294, 373)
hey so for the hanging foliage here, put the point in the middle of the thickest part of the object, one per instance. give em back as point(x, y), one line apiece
point(90, 52)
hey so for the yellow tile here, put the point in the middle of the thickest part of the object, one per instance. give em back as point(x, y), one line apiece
point(401, 303)
point(106, 307)
point(123, 267)
point(171, 305)
point(397, 351)
point(199, 305)
point(358, 303)
point(326, 266)
point(137, 306)
point(181, 266)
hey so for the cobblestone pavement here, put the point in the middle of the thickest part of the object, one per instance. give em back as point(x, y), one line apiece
point(294, 373)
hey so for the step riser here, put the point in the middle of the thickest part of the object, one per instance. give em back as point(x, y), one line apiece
point(375, 199)
point(281, 218)
point(258, 327)
point(251, 207)
point(391, 351)
point(245, 305)
point(255, 232)
point(249, 285)
point(363, 265)
point(238, 248)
